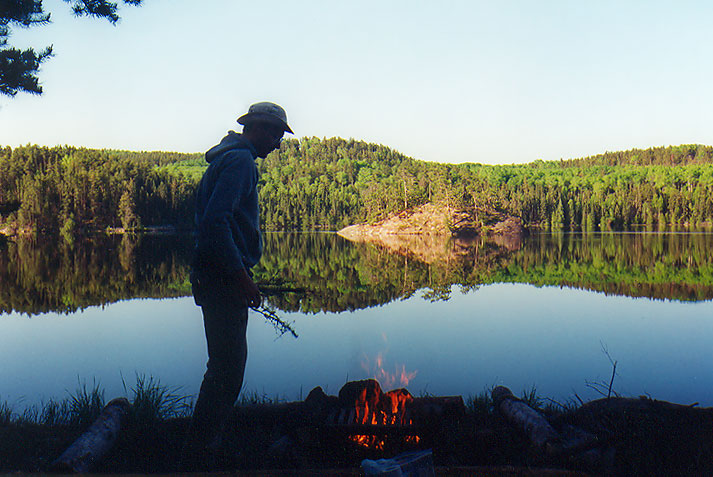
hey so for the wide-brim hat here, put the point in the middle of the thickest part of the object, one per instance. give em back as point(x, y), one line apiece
point(266, 112)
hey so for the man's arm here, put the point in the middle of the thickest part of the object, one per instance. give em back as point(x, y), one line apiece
point(248, 287)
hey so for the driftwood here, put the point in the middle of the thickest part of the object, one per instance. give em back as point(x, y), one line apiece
point(96, 441)
point(541, 434)
point(570, 442)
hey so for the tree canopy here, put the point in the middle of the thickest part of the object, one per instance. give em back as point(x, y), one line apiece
point(19, 68)
point(326, 184)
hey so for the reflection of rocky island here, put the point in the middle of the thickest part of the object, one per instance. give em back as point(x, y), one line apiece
point(434, 233)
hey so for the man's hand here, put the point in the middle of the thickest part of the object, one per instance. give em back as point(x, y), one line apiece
point(253, 298)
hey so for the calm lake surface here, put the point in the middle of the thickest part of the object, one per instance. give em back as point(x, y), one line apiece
point(434, 315)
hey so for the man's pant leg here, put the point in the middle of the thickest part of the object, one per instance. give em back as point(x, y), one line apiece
point(225, 330)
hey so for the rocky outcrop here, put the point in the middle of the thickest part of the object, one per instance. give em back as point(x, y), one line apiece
point(434, 232)
point(436, 219)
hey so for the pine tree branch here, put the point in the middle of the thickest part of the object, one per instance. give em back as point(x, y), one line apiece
point(18, 70)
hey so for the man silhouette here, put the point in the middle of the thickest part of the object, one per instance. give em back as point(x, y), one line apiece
point(228, 245)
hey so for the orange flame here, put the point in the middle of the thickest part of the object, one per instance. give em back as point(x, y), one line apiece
point(382, 409)
point(399, 378)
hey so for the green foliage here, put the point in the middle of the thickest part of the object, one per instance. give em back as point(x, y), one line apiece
point(79, 409)
point(5, 414)
point(531, 398)
point(19, 68)
point(326, 184)
point(252, 398)
point(329, 183)
point(480, 404)
point(74, 190)
point(151, 402)
point(55, 413)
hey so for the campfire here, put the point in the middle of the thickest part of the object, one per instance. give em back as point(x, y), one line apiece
point(361, 422)
point(386, 422)
point(375, 411)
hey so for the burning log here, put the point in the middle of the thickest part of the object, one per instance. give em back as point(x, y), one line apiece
point(392, 421)
point(361, 422)
point(96, 441)
point(371, 406)
point(372, 417)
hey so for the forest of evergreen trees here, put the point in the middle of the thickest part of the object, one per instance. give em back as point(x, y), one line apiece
point(71, 189)
point(329, 183)
point(314, 183)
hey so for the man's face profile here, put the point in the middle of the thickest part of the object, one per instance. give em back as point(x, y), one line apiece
point(266, 138)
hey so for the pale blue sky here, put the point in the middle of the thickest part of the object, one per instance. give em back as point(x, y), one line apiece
point(450, 81)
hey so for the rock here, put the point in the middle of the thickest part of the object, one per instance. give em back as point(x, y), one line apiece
point(437, 219)
point(510, 226)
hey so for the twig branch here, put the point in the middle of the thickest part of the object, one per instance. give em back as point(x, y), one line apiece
point(613, 373)
point(281, 326)
point(596, 386)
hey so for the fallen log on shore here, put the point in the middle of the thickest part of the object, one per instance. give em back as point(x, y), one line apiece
point(569, 442)
point(541, 434)
point(96, 441)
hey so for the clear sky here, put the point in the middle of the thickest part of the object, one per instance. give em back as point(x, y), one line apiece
point(451, 81)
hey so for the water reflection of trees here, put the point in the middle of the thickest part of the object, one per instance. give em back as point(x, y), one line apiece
point(40, 275)
point(344, 276)
point(675, 266)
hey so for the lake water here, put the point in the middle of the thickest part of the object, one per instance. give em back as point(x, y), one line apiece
point(443, 317)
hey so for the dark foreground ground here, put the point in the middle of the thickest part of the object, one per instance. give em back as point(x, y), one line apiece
point(634, 437)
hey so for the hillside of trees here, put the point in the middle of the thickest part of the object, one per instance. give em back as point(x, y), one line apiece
point(325, 184)
point(72, 190)
point(329, 183)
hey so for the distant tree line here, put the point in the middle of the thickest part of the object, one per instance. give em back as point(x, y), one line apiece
point(71, 189)
point(313, 184)
point(657, 187)
point(329, 183)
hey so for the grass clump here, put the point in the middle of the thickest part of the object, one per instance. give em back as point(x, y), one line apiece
point(153, 402)
point(84, 405)
point(250, 398)
point(54, 413)
point(480, 404)
point(5, 414)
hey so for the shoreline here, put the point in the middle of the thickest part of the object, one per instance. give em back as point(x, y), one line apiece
point(492, 429)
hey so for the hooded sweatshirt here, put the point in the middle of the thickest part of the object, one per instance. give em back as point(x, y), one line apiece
point(227, 212)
